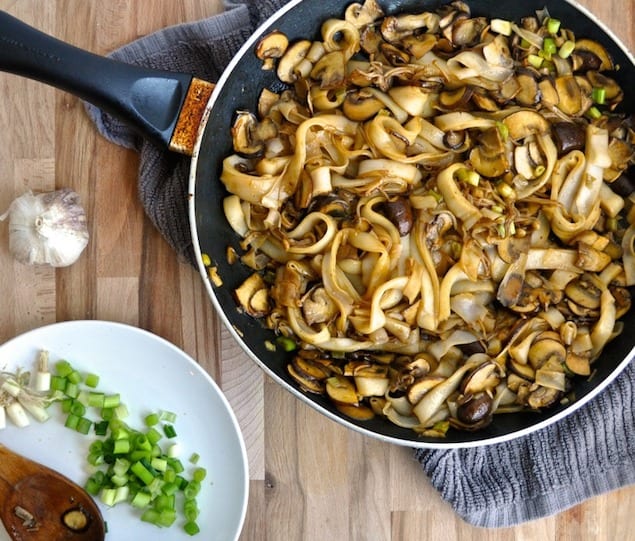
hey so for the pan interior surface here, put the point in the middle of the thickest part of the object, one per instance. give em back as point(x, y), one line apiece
point(239, 90)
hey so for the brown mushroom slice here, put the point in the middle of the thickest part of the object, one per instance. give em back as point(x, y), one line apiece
point(399, 211)
point(475, 411)
point(578, 364)
point(330, 70)
point(569, 95)
point(568, 136)
point(289, 61)
point(523, 123)
point(525, 371)
point(484, 377)
point(307, 384)
point(361, 15)
point(584, 292)
point(543, 397)
point(543, 351)
point(245, 293)
point(417, 45)
point(341, 390)
point(361, 105)
point(529, 92)
point(359, 412)
point(488, 166)
point(613, 92)
point(484, 102)
point(467, 31)
point(246, 142)
point(457, 99)
point(393, 55)
point(271, 47)
point(548, 93)
point(588, 45)
point(310, 368)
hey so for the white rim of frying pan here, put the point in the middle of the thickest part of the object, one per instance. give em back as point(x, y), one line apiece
point(245, 49)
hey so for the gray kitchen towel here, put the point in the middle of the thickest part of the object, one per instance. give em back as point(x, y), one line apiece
point(590, 452)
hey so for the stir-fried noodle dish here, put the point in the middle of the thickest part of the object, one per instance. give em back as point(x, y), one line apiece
point(437, 211)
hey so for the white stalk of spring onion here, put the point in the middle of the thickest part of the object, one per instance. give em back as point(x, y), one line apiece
point(17, 415)
point(12, 387)
point(36, 410)
point(43, 376)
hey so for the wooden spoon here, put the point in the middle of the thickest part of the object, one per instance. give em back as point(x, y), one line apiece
point(40, 504)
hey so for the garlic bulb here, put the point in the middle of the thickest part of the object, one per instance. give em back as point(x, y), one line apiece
point(47, 228)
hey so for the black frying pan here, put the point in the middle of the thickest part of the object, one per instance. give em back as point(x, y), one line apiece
point(122, 89)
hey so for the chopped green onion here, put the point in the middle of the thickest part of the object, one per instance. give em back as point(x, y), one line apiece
point(535, 60)
point(286, 343)
point(96, 400)
point(594, 113)
point(63, 368)
point(553, 25)
point(152, 419)
point(153, 436)
point(74, 377)
point(168, 416)
point(91, 380)
point(566, 49)
point(598, 95)
point(58, 383)
point(169, 431)
point(84, 425)
point(112, 401)
point(549, 47)
point(191, 528)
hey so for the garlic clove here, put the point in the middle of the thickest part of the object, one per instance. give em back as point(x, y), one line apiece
point(47, 228)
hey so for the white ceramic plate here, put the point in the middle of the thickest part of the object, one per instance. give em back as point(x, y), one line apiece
point(150, 374)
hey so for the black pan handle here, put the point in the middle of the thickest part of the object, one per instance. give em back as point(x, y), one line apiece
point(146, 99)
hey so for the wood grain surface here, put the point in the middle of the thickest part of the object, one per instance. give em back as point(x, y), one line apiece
point(311, 479)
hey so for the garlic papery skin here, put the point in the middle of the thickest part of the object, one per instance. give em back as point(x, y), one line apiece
point(47, 228)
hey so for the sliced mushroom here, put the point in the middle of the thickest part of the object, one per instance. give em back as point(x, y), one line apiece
point(271, 47)
point(361, 15)
point(569, 95)
point(589, 46)
point(244, 138)
point(568, 136)
point(542, 351)
point(455, 100)
point(330, 70)
point(584, 292)
point(292, 57)
point(484, 377)
point(529, 92)
point(253, 296)
point(399, 211)
point(548, 93)
point(543, 397)
point(578, 364)
point(489, 166)
point(359, 412)
point(361, 105)
point(523, 123)
point(306, 383)
point(341, 390)
point(475, 411)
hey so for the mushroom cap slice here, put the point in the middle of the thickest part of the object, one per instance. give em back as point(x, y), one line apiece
point(521, 124)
